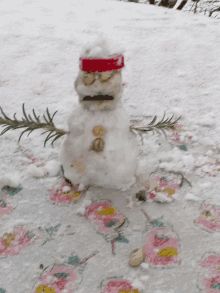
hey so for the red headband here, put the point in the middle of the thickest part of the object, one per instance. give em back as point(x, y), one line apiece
point(100, 65)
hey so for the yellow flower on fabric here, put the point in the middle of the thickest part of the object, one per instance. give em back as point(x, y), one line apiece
point(77, 194)
point(109, 211)
point(8, 238)
point(44, 289)
point(71, 194)
point(169, 191)
point(168, 252)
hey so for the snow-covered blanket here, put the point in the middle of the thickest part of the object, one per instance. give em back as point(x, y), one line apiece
point(54, 238)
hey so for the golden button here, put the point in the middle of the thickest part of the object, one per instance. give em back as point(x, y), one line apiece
point(98, 130)
point(98, 145)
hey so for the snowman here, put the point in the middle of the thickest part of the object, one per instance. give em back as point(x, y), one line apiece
point(100, 149)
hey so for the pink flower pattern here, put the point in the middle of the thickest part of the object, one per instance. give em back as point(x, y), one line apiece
point(209, 217)
point(52, 279)
point(175, 136)
point(22, 240)
point(5, 207)
point(60, 196)
point(113, 286)
point(164, 181)
point(215, 166)
point(157, 240)
point(105, 223)
point(210, 273)
point(33, 160)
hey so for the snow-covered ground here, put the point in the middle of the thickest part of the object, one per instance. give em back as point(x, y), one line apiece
point(172, 64)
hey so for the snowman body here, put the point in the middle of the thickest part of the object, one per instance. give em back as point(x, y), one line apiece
point(100, 149)
point(114, 166)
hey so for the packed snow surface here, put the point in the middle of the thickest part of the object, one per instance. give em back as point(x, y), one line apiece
point(171, 64)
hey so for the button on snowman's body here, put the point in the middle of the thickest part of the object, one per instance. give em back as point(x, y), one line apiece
point(100, 149)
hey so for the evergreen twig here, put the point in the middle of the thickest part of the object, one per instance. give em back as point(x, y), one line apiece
point(163, 124)
point(30, 124)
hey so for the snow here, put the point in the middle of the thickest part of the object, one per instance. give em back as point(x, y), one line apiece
point(81, 210)
point(52, 168)
point(171, 64)
point(136, 227)
point(11, 179)
point(190, 196)
point(209, 153)
point(66, 188)
point(205, 184)
point(101, 48)
point(206, 121)
point(144, 266)
point(189, 161)
point(138, 284)
point(35, 171)
point(162, 197)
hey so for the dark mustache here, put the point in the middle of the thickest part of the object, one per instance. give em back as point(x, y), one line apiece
point(98, 98)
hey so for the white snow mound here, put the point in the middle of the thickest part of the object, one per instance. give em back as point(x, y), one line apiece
point(12, 180)
point(35, 171)
point(190, 196)
point(52, 168)
point(101, 48)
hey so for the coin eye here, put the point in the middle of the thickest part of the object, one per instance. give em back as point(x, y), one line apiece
point(106, 75)
point(88, 78)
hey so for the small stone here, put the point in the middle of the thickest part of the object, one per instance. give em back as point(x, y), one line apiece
point(141, 195)
point(205, 215)
point(137, 257)
point(153, 185)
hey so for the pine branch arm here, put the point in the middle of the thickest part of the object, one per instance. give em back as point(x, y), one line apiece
point(161, 125)
point(30, 124)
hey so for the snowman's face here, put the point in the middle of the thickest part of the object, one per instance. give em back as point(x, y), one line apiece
point(99, 90)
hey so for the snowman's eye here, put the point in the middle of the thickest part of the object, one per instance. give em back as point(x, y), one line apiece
point(106, 75)
point(88, 78)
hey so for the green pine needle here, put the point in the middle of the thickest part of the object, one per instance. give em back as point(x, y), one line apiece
point(30, 124)
point(160, 126)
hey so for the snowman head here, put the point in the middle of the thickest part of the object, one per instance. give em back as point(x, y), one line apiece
point(99, 82)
